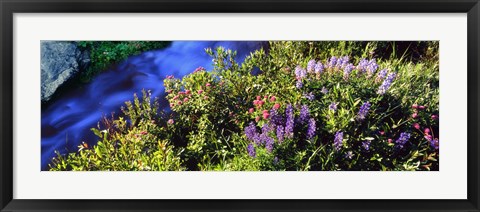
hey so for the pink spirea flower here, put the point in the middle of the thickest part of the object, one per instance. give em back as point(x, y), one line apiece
point(273, 98)
point(257, 118)
point(200, 91)
point(251, 110)
point(434, 117)
point(185, 100)
point(276, 106)
point(208, 85)
point(414, 106)
point(415, 115)
point(426, 131)
point(170, 121)
point(259, 98)
point(421, 107)
point(188, 92)
point(416, 125)
point(266, 115)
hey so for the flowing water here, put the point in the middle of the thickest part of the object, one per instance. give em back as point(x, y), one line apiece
point(67, 121)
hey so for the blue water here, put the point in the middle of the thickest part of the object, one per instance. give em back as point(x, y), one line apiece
point(67, 121)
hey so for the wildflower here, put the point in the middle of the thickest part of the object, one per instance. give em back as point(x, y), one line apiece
point(188, 92)
point(299, 84)
point(347, 70)
point(273, 98)
point(172, 104)
point(332, 62)
point(338, 141)
point(208, 84)
point(269, 143)
point(333, 106)
point(428, 137)
point(185, 100)
point(143, 133)
point(372, 67)
point(402, 140)
point(170, 77)
point(381, 74)
point(200, 91)
point(434, 117)
point(415, 115)
point(250, 131)
point(349, 155)
point(319, 68)
point(363, 111)
point(426, 131)
point(257, 139)
point(300, 73)
point(311, 128)
point(266, 115)
point(289, 122)
point(251, 150)
point(414, 106)
point(259, 98)
point(434, 143)
point(175, 97)
point(276, 106)
point(304, 114)
point(324, 90)
point(343, 61)
point(311, 66)
point(362, 65)
point(179, 103)
point(257, 119)
point(421, 107)
point(381, 132)
point(386, 83)
point(390, 140)
point(280, 133)
point(181, 93)
point(200, 68)
point(309, 96)
point(275, 118)
point(170, 121)
point(366, 145)
point(275, 160)
point(266, 128)
point(251, 110)
point(416, 126)
point(169, 91)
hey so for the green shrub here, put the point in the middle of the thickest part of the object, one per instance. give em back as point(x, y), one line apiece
point(382, 115)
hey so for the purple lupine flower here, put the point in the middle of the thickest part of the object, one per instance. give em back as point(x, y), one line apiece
point(333, 106)
point(366, 145)
point(434, 143)
point(311, 128)
point(280, 133)
point(289, 124)
point(324, 90)
point(251, 150)
point(304, 114)
point(300, 73)
point(275, 118)
point(257, 139)
point(275, 160)
point(319, 68)
point(347, 70)
point(309, 96)
point(332, 62)
point(386, 83)
point(381, 74)
point(372, 67)
point(402, 140)
point(345, 61)
point(362, 65)
point(266, 128)
point(362, 113)
point(250, 131)
point(299, 84)
point(338, 141)
point(311, 66)
point(269, 143)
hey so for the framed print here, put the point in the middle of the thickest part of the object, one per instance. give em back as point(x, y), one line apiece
point(254, 106)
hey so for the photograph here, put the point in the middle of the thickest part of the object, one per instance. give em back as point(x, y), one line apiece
point(277, 105)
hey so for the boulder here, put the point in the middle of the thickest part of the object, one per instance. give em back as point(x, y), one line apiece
point(60, 61)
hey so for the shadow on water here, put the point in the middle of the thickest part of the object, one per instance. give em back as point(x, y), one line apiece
point(67, 121)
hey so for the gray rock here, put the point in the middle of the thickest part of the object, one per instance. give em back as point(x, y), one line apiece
point(60, 61)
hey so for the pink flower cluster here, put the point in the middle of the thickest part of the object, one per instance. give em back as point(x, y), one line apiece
point(259, 103)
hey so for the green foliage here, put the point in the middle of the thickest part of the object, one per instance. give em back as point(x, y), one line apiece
point(106, 53)
point(211, 110)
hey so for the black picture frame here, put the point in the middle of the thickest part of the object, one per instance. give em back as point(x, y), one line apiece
point(9, 7)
